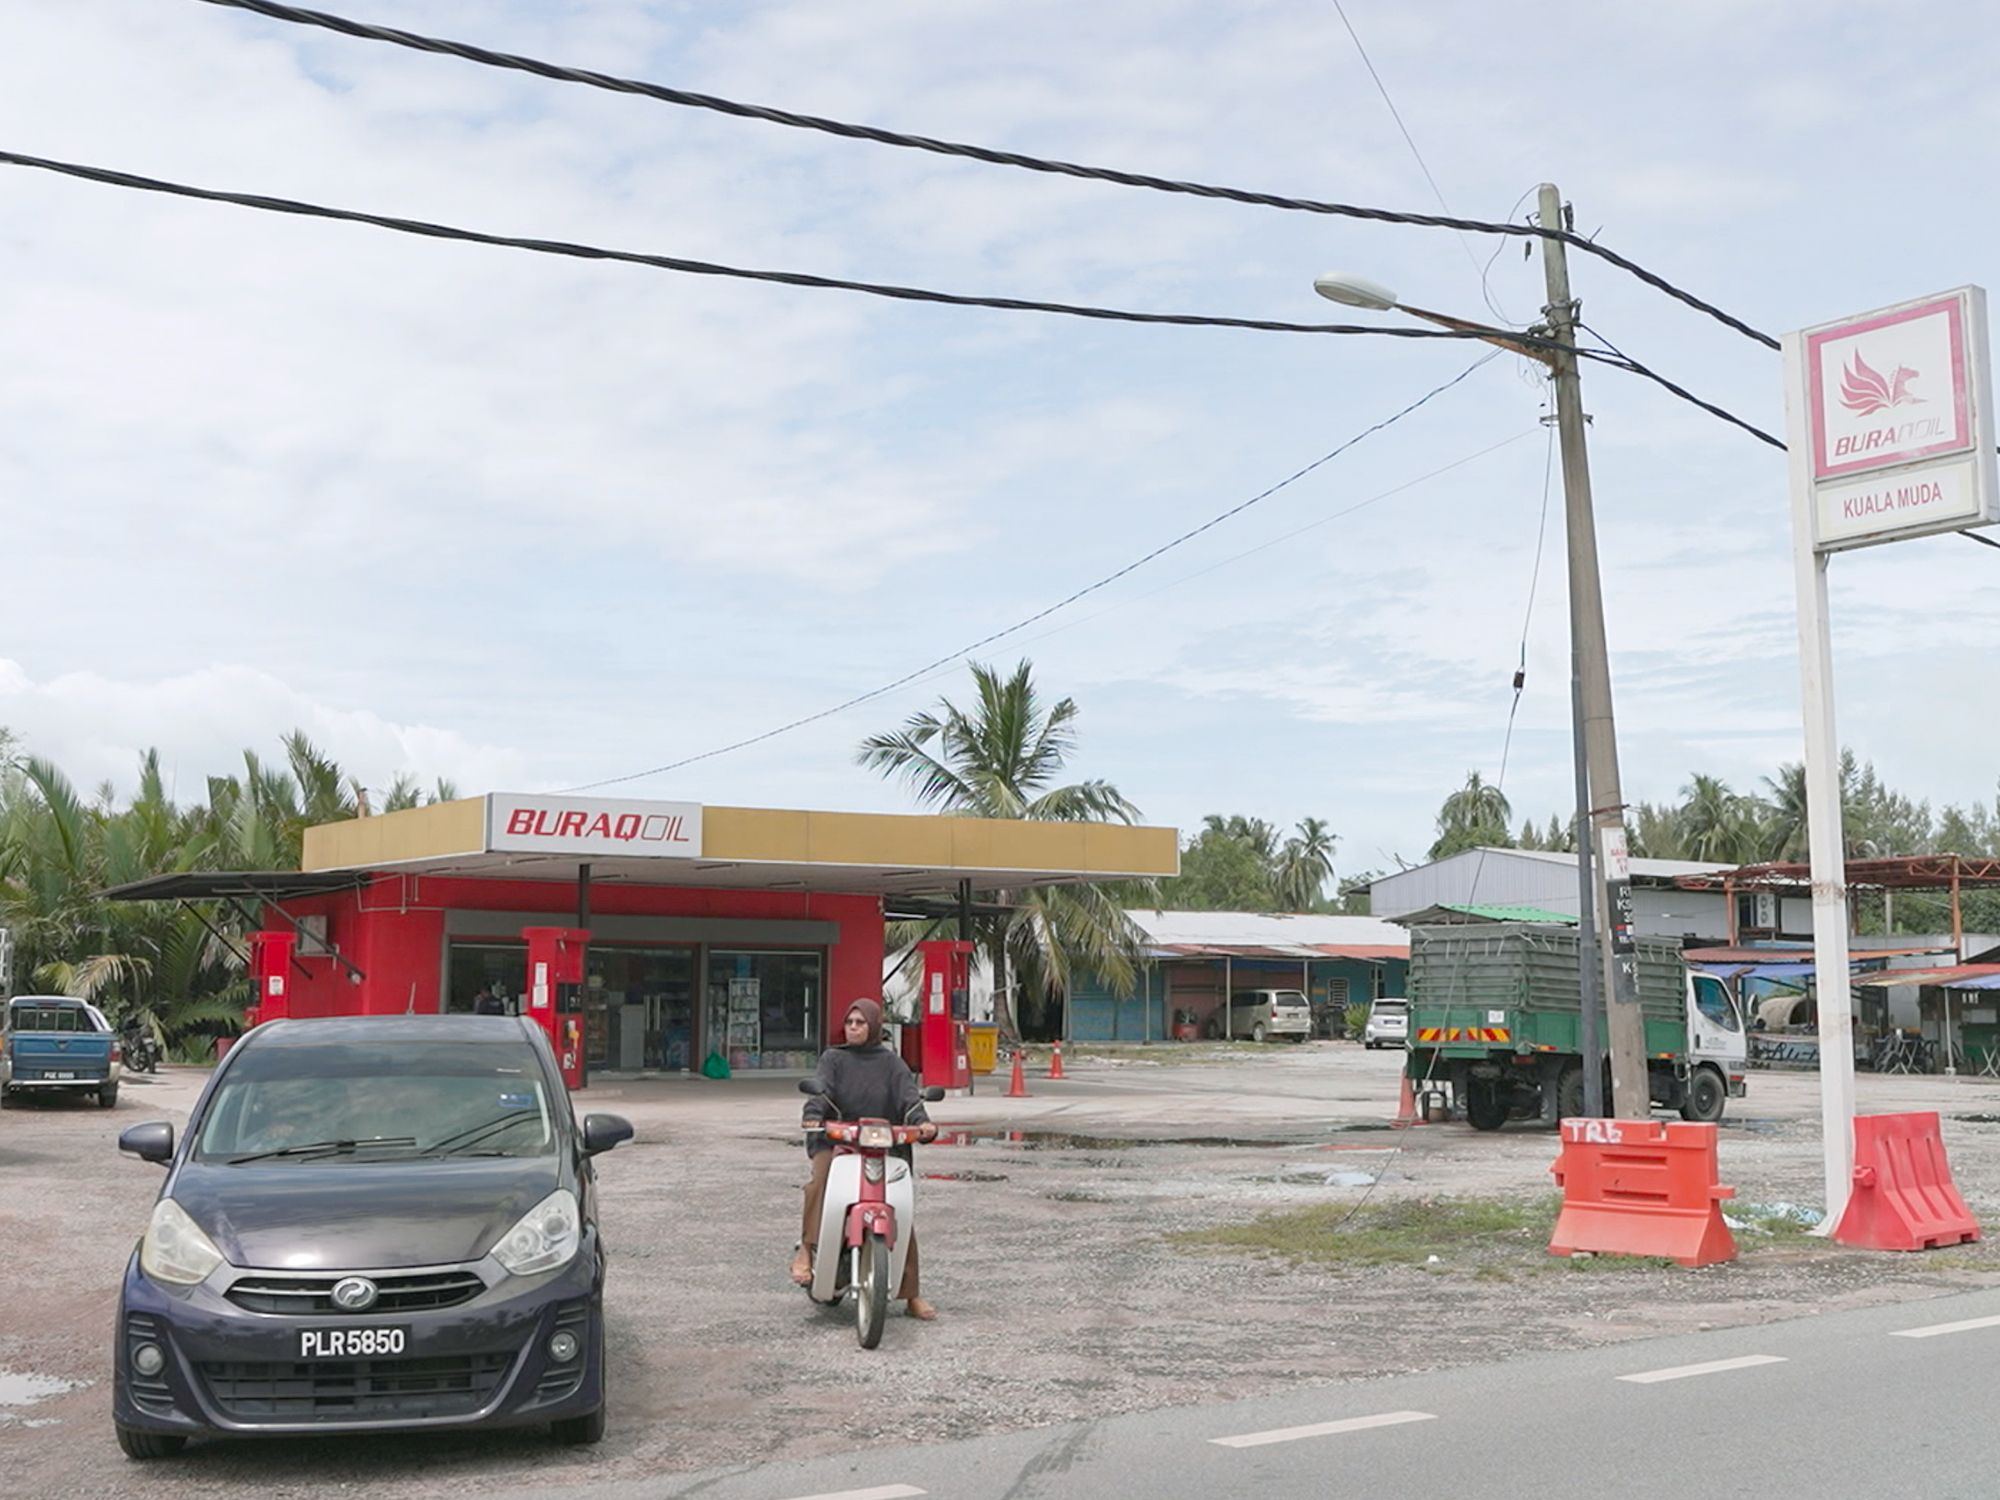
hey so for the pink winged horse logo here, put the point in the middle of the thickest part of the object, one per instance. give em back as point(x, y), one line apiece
point(1863, 390)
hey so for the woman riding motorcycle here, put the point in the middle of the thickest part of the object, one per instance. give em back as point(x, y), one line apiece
point(864, 1080)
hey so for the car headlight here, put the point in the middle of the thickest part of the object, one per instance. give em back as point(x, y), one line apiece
point(546, 1237)
point(175, 1248)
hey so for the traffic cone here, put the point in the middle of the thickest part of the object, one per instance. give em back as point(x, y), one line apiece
point(1017, 1086)
point(1055, 1062)
point(1406, 1106)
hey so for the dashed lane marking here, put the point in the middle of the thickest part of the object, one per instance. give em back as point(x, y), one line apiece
point(1937, 1328)
point(1323, 1429)
point(880, 1492)
point(1713, 1367)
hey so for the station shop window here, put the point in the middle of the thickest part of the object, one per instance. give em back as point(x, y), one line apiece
point(473, 967)
point(638, 1007)
point(763, 1008)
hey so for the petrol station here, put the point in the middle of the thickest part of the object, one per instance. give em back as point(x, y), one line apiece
point(644, 936)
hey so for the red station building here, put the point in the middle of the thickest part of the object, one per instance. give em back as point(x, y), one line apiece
point(642, 935)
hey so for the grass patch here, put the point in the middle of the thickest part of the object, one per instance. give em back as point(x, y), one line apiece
point(1459, 1231)
point(1760, 1222)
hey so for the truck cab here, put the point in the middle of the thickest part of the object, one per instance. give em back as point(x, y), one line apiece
point(57, 1044)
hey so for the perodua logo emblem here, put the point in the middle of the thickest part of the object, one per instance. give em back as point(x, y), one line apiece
point(354, 1294)
point(1864, 390)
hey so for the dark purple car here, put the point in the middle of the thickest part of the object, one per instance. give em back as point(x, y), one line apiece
point(373, 1224)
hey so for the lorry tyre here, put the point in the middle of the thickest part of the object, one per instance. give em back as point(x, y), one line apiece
point(1569, 1094)
point(1707, 1097)
point(1485, 1106)
point(107, 1096)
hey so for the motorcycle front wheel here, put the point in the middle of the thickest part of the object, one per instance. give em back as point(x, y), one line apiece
point(871, 1292)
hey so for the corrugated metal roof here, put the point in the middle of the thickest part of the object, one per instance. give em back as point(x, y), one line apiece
point(1950, 976)
point(1294, 952)
point(1313, 933)
point(1446, 911)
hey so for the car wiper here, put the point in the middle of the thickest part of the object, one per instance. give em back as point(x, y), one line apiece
point(326, 1148)
point(462, 1140)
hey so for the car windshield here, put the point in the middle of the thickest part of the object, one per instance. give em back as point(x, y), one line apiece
point(336, 1102)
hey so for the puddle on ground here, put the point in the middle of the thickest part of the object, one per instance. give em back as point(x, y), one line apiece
point(1976, 1119)
point(25, 1390)
point(1754, 1127)
point(1064, 1140)
point(963, 1176)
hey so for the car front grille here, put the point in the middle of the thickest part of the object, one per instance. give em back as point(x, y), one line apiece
point(286, 1391)
point(400, 1292)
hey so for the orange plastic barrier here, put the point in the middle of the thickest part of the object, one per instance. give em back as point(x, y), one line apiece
point(1641, 1187)
point(1903, 1196)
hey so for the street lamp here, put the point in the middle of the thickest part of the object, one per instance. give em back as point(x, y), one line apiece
point(1598, 792)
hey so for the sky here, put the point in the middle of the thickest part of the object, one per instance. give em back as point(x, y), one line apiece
point(529, 524)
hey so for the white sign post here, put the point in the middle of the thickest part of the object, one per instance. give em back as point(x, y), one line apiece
point(1889, 418)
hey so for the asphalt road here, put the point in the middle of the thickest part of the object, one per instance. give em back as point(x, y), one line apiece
point(1884, 1402)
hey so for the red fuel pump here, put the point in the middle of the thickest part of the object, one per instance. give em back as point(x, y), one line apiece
point(944, 1012)
point(270, 976)
point(555, 993)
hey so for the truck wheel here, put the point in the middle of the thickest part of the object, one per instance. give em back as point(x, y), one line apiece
point(107, 1096)
point(1569, 1094)
point(1485, 1106)
point(1707, 1097)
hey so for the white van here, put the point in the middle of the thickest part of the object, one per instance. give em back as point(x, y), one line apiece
point(1263, 1015)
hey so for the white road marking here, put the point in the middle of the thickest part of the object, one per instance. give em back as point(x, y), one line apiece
point(880, 1492)
point(1323, 1429)
point(1937, 1328)
point(1713, 1367)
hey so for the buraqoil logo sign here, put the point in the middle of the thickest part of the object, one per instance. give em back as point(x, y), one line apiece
point(1897, 420)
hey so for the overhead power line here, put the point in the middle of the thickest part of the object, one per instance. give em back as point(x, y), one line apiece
point(1064, 603)
point(429, 230)
point(794, 120)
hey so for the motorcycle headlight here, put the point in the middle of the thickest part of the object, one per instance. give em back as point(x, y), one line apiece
point(175, 1249)
point(878, 1137)
point(546, 1237)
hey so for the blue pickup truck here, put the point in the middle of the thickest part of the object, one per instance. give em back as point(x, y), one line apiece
point(57, 1043)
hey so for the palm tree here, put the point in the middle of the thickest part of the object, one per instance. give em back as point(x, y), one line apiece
point(1476, 814)
point(1002, 760)
point(1305, 865)
point(1717, 824)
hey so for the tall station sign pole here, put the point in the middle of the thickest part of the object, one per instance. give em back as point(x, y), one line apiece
point(1890, 421)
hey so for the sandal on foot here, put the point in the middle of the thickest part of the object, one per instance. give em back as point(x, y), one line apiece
point(802, 1267)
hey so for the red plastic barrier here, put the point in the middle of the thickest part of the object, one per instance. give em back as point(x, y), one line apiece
point(1903, 1196)
point(1641, 1187)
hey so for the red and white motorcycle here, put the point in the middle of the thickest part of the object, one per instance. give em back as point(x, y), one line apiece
point(868, 1217)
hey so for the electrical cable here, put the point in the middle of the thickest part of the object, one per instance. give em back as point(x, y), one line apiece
point(1042, 614)
point(1280, 539)
point(1422, 165)
point(1452, 990)
point(297, 15)
point(429, 230)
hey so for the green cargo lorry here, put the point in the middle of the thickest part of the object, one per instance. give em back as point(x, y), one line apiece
point(1495, 1026)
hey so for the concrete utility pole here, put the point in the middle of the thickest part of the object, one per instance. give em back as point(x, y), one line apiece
point(1626, 1028)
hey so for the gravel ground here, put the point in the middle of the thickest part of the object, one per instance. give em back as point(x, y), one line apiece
point(1061, 1295)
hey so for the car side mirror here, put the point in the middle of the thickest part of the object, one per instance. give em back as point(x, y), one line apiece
point(602, 1132)
point(933, 1094)
point(153, 1141)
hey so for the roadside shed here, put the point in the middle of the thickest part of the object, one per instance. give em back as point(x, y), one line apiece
point(1195, 958)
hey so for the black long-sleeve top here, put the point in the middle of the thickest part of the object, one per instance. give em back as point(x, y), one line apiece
point(865, 1083)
